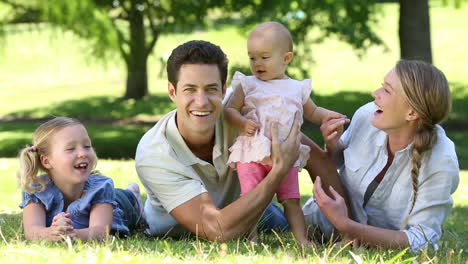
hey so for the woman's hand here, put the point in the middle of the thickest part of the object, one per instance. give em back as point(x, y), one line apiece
point(332, 128)
point(249, 128)
point(334, 208)
point(285, 153)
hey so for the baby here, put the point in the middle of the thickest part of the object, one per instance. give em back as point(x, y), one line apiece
point(270, 96)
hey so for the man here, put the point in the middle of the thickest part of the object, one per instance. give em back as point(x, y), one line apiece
point(181, 161)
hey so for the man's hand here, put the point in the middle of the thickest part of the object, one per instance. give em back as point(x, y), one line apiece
point(284, 154)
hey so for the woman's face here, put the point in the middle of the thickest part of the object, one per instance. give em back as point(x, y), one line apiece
point(393, 111)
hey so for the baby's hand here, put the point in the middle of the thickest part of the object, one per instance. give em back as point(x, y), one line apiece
point(250, 127)
point(332, 115)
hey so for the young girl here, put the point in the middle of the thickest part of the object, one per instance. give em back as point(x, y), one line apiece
point(69, 199)
point(270, 96)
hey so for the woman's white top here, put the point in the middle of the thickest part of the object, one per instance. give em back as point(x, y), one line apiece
point(365, 155)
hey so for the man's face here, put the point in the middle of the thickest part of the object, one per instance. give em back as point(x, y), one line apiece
point(198, 97)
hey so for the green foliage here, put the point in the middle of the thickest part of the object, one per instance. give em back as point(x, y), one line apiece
point(85, 19)
point(312, 22)
point(107, 23)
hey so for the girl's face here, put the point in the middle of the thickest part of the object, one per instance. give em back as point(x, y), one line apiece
point(71, 158)
point(393, 111)
point(268, 61)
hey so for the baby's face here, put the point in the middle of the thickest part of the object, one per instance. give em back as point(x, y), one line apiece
point(267, 59)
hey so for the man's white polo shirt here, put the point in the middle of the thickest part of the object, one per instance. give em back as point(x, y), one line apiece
point(173, 175)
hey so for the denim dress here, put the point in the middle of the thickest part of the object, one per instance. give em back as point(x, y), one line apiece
point(97, 189)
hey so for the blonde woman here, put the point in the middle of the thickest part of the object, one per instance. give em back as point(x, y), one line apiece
point(396, 163)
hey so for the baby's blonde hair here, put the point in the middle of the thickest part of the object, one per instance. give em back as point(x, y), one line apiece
point(30, 156)
point(279, 31)
point(427, 92)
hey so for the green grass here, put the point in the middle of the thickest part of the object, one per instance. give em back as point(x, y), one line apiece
point(138, 248)
point(46, 73)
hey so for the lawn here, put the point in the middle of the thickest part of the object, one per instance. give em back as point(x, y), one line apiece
point(138, 248)
point(47, 73)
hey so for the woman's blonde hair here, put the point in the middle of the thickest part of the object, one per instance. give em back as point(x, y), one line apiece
point(428, 94)
point(29, 156)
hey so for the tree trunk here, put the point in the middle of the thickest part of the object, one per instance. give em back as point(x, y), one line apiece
point(414, 30)
point(137, 72)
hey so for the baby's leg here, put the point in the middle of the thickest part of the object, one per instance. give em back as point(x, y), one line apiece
point(295, 216)
point(250, 174)
point(288, 195)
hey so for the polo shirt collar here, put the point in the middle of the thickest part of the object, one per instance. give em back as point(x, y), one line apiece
point(182, 151)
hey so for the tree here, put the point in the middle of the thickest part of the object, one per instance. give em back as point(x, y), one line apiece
point(414, 30)
point(129, 27)
point(132, 27)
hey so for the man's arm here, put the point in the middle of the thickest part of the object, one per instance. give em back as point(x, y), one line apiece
point(202, 217)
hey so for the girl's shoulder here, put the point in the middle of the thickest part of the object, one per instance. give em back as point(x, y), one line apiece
point(45, 197)
point(98, 188)
point(98, 181)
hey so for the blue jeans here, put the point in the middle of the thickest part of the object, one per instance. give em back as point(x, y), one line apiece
point(127, 202)
point(273, 219)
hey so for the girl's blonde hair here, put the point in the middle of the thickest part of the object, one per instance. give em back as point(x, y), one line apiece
point(427, 92)
point(29, 156)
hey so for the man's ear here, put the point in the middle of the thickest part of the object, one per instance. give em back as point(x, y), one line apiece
point(288, 57)
point(171, 89)
point(45, 162)
point(412, 115)
point(224, 89)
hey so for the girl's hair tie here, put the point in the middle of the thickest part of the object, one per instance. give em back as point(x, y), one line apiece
point(33, 149)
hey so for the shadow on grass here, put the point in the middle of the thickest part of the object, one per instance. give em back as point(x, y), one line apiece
point(99, 108)
point(116, 125)
point(110, 141)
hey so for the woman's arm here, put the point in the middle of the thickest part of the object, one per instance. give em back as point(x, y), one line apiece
point(34, 222)
point(100, 222)
point(235, 118)
point(332, 129)
point(334, 208)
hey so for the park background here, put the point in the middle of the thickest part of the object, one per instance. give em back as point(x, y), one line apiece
point(48, 72)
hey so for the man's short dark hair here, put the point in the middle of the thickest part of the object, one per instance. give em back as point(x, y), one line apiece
point(196, 52)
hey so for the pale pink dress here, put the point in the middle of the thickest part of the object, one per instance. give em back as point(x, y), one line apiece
point(266, 102)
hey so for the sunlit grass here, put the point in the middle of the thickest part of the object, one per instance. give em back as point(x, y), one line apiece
point(139, 248)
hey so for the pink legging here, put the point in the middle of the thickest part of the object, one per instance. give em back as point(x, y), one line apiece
point(252, 173)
